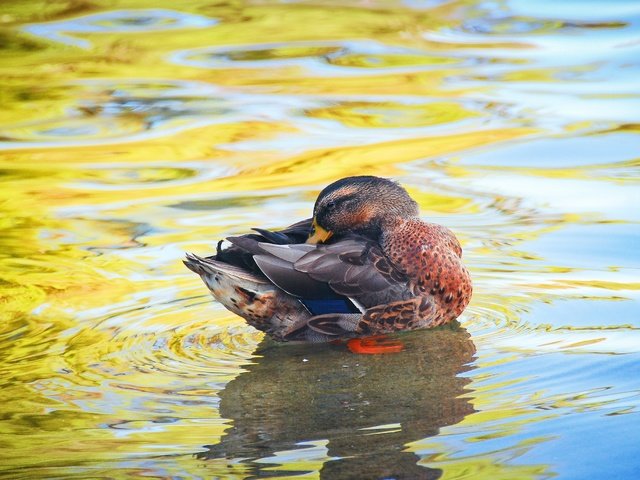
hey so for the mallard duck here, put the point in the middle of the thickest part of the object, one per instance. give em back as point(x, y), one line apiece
point(364, 265)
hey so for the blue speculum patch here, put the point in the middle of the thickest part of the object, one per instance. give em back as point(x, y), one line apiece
point(329, 305)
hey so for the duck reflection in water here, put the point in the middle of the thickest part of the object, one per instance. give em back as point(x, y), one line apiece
point(295, 395)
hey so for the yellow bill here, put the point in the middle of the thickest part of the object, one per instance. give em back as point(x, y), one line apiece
point(318, 234)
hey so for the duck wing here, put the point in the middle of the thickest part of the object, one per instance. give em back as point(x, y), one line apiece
point(353, 267)
point(243, 248)
point(296, 233)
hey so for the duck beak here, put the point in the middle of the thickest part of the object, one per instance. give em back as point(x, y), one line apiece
point(318, 234)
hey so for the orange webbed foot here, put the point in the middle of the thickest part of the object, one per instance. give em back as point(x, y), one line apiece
point(374, 345)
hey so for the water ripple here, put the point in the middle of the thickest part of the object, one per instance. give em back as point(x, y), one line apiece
point(320, 58)
point(117, 21)
point(108, 111)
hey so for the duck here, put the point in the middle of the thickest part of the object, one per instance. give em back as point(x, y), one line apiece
point(364, 265)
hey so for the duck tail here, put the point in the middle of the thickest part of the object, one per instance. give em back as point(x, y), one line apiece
point(227, 283)
point(195, 264)
point(254, 298)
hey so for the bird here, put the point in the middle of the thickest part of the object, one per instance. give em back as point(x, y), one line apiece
point(364, 265)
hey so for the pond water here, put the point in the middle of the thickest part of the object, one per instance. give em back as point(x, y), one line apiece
point(134, 131)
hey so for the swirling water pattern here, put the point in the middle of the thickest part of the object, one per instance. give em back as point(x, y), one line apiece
point(132, 134)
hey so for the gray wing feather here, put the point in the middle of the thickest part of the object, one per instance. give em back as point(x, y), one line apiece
point(347, 268)
point(289, 253)
point(295, 283)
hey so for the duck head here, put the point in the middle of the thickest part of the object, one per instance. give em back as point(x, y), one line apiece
point(359, 205)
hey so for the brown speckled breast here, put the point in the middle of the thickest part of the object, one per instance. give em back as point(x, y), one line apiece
point(431, 256)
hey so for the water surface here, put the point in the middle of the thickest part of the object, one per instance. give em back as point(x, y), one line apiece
point(133, 131)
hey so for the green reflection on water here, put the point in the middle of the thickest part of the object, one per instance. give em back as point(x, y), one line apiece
point(348, 402)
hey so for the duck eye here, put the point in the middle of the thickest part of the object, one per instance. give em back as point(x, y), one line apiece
point(331, 206)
